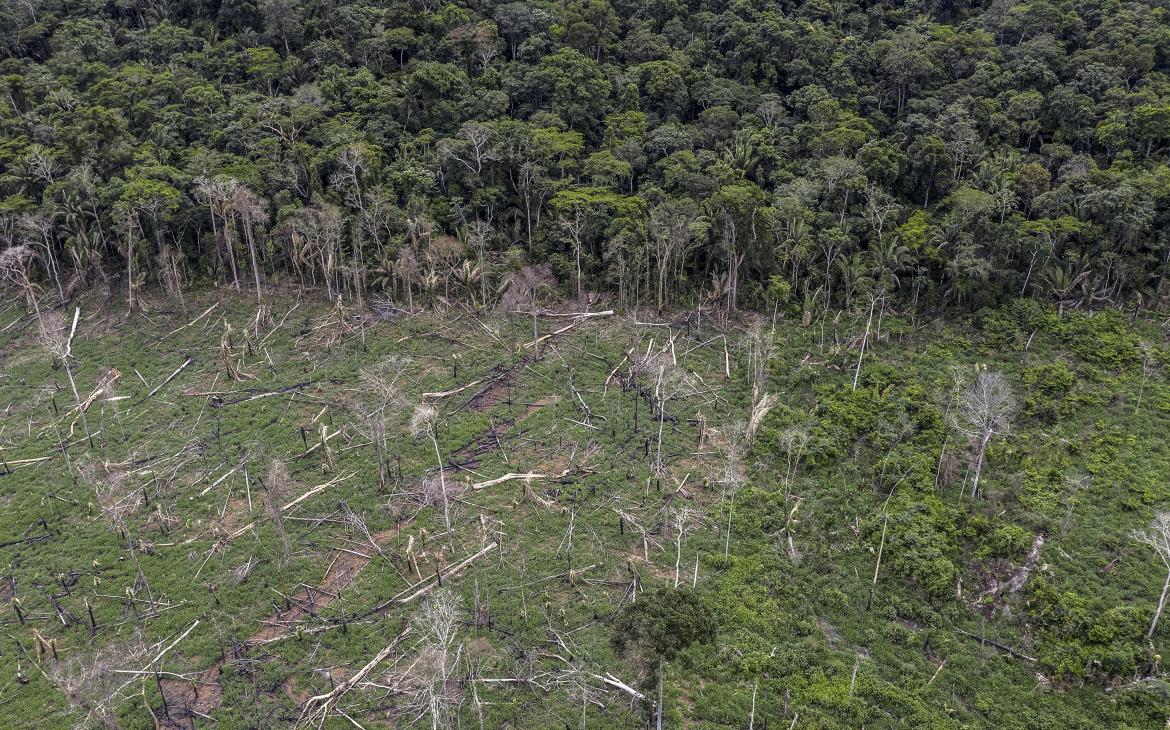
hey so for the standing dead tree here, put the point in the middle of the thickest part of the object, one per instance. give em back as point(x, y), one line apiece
point(437, 622)
point(60, 346)
point(425, 421)
point(671, 382)
point(274, 484)
point(1157, 536)
point(379, 403)
point(985, 412)
point(218, 194)
point(682, 519)
point(732, 446)
point(15, 263)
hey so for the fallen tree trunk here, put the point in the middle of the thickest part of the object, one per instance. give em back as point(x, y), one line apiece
point(579, 319)
point(315, 490)
point(526, 476)
point(321, 705)
point(171, 377)
point(424, 586)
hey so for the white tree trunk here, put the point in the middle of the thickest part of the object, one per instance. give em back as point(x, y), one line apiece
point(1161, 605)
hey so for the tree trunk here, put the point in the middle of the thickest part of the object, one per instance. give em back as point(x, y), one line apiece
point(1161, 605)
point(658, 712)
point(727, 537)
point(252, 253)
point(442, 484)
point(979, 466)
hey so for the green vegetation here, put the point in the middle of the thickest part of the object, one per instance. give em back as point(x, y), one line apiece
point(827, 564)
point(856, 418)
point(766, 156)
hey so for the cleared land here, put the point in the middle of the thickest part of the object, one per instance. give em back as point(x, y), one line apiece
point(158, 569)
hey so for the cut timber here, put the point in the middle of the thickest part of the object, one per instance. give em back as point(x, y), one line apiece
point(314, 447)
point(104, 386)
point(37, 460)
point(616, 683)
point(205, 313)
point(315, 490)
point(444, 393)
point(72, 332)
point(997, 645)
point(219, 481)
point(526, 476)
point(449, 573)
point(171, 377)
point(425, 586)
point(268, 394)
point(323, 704)
point(579, 319)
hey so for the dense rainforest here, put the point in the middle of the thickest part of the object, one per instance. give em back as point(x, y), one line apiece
point(674, 154)
point(564, 364)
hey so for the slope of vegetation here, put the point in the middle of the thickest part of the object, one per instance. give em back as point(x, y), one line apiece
point(243, 537)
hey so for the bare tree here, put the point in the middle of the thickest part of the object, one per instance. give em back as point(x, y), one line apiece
point(170, 268)
point(380, 400)
point(218, 194)
point(682, 517)
point(471, 148)
point(670, 382)
point(428, 678)
point(15, 263)
point(575, 224)
point(732, 446)
point(478, 234)
point(985, 412)
point(39, 231)
point(425, 421)
point(273, 485)
point(252, 213)
point(59, 344)
point(1157, 536)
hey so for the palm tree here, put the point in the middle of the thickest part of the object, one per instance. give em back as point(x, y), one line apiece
point(888, 258)
point(468, 276)
point(1063, 281)
point(851, 270)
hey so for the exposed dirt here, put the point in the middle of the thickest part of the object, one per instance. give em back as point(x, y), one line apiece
point(189, 700)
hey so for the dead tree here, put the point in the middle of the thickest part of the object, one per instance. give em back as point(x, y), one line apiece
point(674, 227)
point(218, 195)
point(15, 262)
point(985, 412)
point(670, 383)
point(733, 477)
point(275, 483)
point(252, 213)
point(380, 402)
point(60, 346)
point(425, 421)
point(429, 686)
point(1157, 536)
point(682, 519)
point(170, 270)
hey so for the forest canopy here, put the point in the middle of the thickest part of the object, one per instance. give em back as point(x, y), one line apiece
point(742, 155)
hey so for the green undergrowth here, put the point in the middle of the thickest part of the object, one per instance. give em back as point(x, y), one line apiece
point(785, 615)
